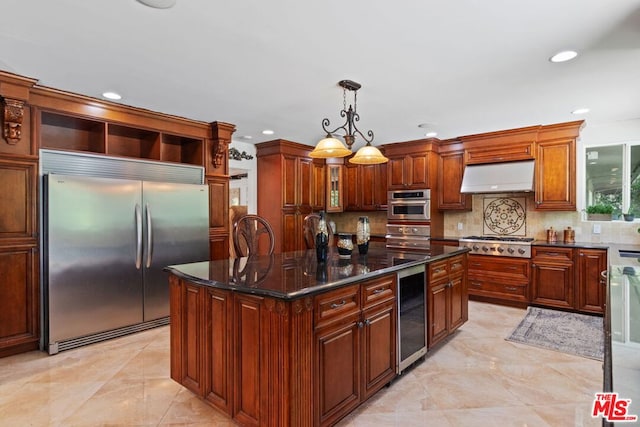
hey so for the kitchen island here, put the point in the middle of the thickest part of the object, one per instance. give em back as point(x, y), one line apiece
point(283, 340)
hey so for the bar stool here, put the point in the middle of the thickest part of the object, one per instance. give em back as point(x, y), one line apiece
point(251, 235)
point(310, 229)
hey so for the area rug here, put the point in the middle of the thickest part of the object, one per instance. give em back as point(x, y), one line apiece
point(572, 333)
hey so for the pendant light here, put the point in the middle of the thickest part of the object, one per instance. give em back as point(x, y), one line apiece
point(333, 147)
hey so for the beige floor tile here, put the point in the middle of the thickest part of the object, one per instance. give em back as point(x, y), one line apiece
point(476, 378)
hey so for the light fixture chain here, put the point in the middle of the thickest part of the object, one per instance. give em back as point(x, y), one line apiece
point(344, 99)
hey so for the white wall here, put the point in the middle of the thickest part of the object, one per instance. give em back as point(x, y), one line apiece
point(248, 185)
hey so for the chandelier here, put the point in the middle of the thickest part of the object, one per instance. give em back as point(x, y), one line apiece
point(332, 147)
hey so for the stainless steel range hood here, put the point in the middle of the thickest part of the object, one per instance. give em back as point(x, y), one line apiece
point(498, 177)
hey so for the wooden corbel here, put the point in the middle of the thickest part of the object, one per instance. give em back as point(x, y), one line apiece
point(220, 147)
point(13, 113)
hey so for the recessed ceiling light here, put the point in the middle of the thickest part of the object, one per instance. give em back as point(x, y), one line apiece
point(431, 134)
point(268, 132)
point(246, 137)
point(158, 4)
point(580, 111)
point(565, 55)
point(112, 95)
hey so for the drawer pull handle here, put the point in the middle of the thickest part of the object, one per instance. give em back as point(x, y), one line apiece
point(379, 291)
point(511, 288)
point(456, 265)
point(340, 304)
point(438, 270)
point(476, 284)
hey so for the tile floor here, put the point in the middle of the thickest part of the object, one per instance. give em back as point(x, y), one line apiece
point(475, 379)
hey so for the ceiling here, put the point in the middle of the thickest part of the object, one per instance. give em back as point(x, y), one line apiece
point(462, 67)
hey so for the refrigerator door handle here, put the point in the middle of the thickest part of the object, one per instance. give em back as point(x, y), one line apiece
point(149, 236)
point(138, 237)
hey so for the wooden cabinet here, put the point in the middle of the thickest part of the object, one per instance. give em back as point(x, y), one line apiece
point(591, 291)
point(409, 171)
point(555, 171)
point(502, 146)
point(569, 278)
point(412, 164)
point(334, 187)
point(499, 279)
point(287, 183)
point(64, 131)
point(355, 331)
point(553, 278)
point(265, 361)
point(319, 185)
point(19, 289)
point(450, 171)
point(447, 298)
point(365, 187)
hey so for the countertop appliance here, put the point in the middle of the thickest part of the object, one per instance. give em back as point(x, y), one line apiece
point(507, 246)
point(105, 243)
point(409, 205)
point(408, 236)
point(412, 324)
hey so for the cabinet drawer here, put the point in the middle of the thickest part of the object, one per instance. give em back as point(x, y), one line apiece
point(552, 254)
point(499, 153)
point(438, 270)
point(378, 290)
point(456, 264)
point(337, 304)
point(510, 291)
point(515, 268)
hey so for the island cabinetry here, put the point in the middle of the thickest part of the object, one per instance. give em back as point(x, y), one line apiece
point(355, 330)
point(447, 298)
point(499, 279)
point(270, 362)
point(412, 165)
point(286, 190)
point(552, 277)
point(450, 171)
point(365, 187)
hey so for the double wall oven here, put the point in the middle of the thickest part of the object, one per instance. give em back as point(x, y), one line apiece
point(408, 217)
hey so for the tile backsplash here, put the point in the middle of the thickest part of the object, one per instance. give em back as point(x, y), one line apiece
point(537, 223)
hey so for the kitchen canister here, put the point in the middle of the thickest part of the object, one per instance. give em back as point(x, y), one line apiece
point(552, 236)
point(569, 235)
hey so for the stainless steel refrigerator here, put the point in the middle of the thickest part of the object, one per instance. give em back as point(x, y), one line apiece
point(106, 243)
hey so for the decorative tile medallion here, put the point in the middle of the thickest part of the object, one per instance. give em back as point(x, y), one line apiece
point(504, 216)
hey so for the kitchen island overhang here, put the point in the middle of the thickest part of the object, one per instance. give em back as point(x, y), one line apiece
point(284, 341)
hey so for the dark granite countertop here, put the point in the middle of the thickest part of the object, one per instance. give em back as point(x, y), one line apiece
point(292, 275)
point(584, 245)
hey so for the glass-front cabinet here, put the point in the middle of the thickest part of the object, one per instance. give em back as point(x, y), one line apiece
point(334, 188)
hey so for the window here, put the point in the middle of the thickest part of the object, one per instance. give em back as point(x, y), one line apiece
point(612, 175)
